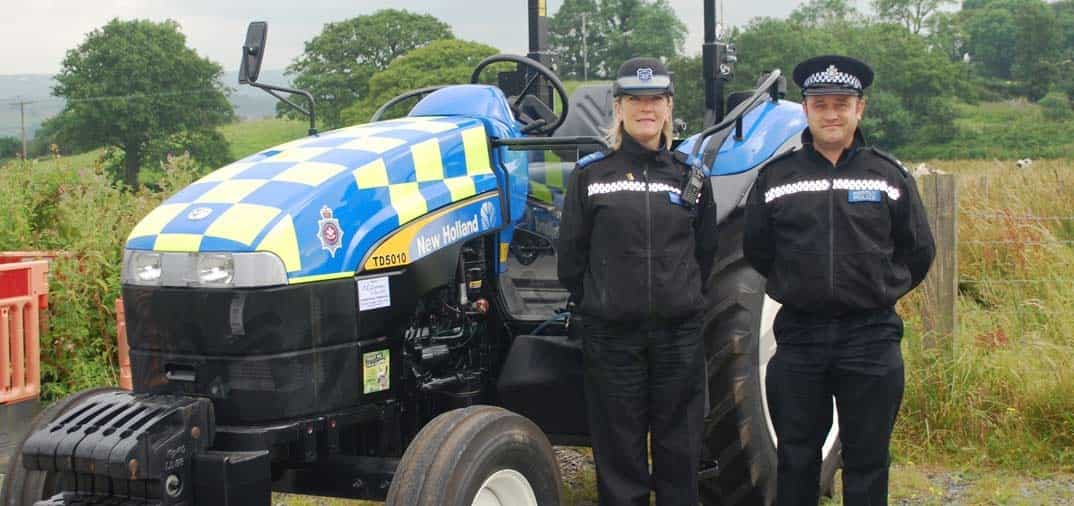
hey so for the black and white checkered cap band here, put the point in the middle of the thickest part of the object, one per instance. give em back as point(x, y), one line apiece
point(633, 83)
point(833, 76)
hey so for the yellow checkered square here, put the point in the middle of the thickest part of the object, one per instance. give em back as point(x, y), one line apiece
point(310, 173)
point(283, 241)
point(407, 201)
point(477, 151)
point(460, 187)
point(155, 221)
point(379, 145)
point(428, 164)
point(177, 242)
point(371, 175)
point(230, 192)
point(298, 154)
point(242, 222)
point(226, 172)
point(554, 175)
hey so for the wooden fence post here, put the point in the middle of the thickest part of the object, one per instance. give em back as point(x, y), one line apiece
point(938, 311)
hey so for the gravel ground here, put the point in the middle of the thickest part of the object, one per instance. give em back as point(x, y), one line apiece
point(911, 485)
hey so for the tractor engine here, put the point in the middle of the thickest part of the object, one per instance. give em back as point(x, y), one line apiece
point(445, 341)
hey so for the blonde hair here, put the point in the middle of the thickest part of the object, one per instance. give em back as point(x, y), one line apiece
point(613, 135)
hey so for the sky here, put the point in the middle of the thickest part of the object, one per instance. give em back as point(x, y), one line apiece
point(35, 34)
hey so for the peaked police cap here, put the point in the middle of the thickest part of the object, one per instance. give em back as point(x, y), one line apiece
point(833, 75)
point(642, 76)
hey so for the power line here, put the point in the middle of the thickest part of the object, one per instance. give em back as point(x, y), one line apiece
point(199, 91)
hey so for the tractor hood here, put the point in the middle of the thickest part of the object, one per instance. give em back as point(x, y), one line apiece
point(322, 203)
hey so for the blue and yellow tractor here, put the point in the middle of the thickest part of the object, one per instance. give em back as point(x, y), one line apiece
point(373, 312)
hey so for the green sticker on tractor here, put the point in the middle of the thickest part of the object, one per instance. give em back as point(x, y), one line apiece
point(376, 370)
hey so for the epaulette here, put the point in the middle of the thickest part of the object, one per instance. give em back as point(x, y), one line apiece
point(785, 154)
point(891, 158)
point(590, 158)
point(684, 159)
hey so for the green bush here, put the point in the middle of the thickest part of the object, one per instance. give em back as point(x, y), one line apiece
point(80, 211)
point(1055, 106)
point(887, 123)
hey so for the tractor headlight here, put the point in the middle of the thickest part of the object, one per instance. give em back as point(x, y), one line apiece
point(143, 268)
point(205, 270)
point(216, 270)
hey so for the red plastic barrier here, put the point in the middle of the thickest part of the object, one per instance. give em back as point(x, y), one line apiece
point(23, 296)
point(122, 348)
point(10, 257)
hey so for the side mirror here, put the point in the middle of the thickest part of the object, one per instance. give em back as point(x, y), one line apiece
point(252, 52)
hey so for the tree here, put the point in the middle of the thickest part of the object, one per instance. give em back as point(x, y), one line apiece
point(337, 64)
point(945, 33)
point(993, 35)
point(616, 30)
point(10, 147)
point(575, 60)
point(440, 62)
point(132, 81)
point(639, 28)
point(912, 14)
point(816, 13)
point(689, 91)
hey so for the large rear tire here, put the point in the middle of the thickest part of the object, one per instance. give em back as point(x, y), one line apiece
point(477, 456)
point(738, 343)
point(23, 487)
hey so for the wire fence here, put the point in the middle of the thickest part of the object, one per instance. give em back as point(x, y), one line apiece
point(1017, 218)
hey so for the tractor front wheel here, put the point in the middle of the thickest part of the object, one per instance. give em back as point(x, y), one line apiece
point(477, 456)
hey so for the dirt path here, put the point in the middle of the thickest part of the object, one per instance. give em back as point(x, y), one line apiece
point(911, 485)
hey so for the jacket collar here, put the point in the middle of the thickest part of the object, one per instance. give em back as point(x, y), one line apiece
point(846, 156)
point(632, 148)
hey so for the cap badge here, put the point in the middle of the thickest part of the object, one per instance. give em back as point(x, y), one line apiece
point(645, 73)
point(199, 213)
point(832, 70)
point(328, 231)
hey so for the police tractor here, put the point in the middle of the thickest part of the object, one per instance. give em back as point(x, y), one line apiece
point(373, 312)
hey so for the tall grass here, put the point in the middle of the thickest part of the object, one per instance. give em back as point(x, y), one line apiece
point(66, 205)
point(1004, 394)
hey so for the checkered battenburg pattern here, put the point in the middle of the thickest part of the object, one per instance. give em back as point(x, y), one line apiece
point(818, 185)
point(832, 75)
point(373, 177)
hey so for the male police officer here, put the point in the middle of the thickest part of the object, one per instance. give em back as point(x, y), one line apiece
point(839, 231)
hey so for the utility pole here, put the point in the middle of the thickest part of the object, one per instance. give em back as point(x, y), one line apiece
point(22, 121)
point(585, 52)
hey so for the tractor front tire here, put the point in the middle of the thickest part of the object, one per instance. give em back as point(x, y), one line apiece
point(738, 343)
point(477, 456)
point(23, 487)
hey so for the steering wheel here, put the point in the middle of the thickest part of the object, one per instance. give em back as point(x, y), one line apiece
point(536, 117)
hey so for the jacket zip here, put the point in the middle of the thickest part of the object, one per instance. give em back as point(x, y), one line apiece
point(831, 233)
point(648, 240)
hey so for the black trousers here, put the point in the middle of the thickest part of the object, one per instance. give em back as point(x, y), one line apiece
point(641, 379)
point(855, 359)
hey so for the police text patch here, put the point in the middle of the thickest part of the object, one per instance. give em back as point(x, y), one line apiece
point(863, 196)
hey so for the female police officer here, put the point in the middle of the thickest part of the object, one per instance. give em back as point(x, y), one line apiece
point(840, 232)
point(637, 240)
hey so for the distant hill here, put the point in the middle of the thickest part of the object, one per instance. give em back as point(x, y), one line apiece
point(249, 103)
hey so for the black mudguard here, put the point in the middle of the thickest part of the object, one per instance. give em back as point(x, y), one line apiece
point(542, 380)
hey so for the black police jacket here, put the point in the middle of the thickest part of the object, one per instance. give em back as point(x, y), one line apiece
point(835, 239)
point(629, 249)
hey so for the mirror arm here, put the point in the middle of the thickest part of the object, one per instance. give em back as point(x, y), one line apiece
point(271, 90)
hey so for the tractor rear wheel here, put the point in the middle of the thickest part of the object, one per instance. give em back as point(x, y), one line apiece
point(477, 456)
point(738, 343)
point(23, 486)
